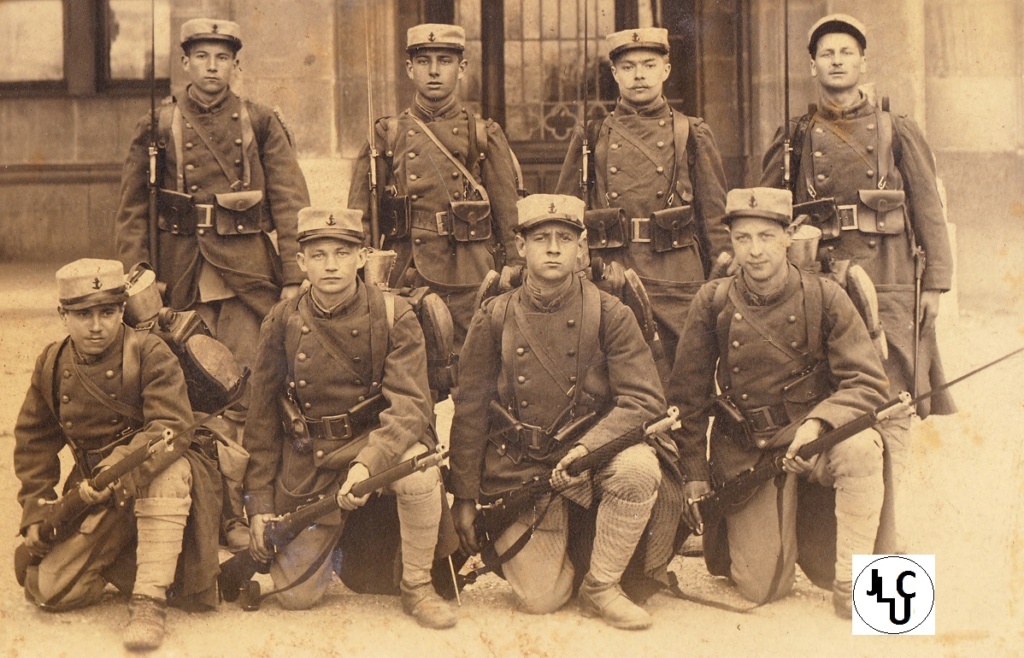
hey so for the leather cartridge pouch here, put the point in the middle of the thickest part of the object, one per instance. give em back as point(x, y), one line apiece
point(239, 213)
point(469, 221)
point(395, 216)
point(800, 395)
point(606, 228)
point(672, 228)
point(882, 211)
point(177, 214)
point(822, 214)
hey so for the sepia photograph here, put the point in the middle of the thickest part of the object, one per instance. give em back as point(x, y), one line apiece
point(511, 328)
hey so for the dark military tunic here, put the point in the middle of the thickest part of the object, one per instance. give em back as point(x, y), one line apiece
point(626, 177)
point(758, 370)
point(247, 261)
point(59, 411)
point(840, 155)
point(291, 357)
point(619, 374)
point(416, 167)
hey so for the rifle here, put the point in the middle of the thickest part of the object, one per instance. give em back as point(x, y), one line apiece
point(504, 511)
point(236, 574)
point(64, 515)
point(375, 241)
point(787, 144)
point(736, 492)
point(585, 151)
point(154, 150)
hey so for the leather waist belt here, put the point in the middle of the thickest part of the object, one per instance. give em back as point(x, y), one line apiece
point(347, 426)
point(770, 418)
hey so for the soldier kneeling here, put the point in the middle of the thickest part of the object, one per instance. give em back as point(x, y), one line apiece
point(107, 391)
point(346, 362)
point(548, 356)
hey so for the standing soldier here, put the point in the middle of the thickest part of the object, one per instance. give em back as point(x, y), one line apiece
point(879, 170)
point(349, 362)
point(549, 353)
point(227, 178)
point(786, 347)
point(655, 186)
point(106, 391)
point(448, 181)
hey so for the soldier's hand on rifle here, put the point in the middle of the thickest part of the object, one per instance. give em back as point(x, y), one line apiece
point(464, 513)
point(356, 473)
point(289, 291)
point(92, 496)
point(257, 545)
point(929, 308)
point(808, 431)
point(34, 542)
point(692, 492)
point(560, 478)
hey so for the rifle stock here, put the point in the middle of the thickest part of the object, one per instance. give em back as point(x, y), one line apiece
point(237, 571)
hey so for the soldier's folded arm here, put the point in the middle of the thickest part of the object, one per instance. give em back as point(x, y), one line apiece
point(709, 183)
point(38, 441)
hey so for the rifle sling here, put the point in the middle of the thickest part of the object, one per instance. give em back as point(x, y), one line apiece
point(493, 561)
point(675, 590)
point(313, 567)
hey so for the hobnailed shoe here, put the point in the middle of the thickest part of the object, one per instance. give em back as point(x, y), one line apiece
point(427, 607)
point(609, 602)
point(842, 600)
point(145, 629)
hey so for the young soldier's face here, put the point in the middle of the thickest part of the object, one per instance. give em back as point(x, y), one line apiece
point(760, 246)
point(641, 75)
point(331, 266)
point(838, 62)
point(550, 251)
point(93, 329)
point(435, 72)
point(210, 66)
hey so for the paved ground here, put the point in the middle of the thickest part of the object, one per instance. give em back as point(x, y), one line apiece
point(967, 487)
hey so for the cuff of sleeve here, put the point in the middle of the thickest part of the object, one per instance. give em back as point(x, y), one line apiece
point(259, 502)
point(372, 458)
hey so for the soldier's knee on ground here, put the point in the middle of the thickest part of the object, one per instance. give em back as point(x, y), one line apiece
point(859, 456)
point(755, 581)
point(175, 481)
point(544, 600)
point(633, 475)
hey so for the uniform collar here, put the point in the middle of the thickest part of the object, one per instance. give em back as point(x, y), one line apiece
point(755, 299)
point(341, 309)
point(832, 112)
point(560, 299)
point(196, 106)
point(426, 112)
point(657, 109)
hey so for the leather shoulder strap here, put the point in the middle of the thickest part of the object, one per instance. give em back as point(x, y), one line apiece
point(381, 321)
point(51, 355)
point(723, 321)
point(128, 351)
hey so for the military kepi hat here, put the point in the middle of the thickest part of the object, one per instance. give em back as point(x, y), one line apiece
point(836, 23)
point(769, 203)
point(211, 29)
point(435, 35)
point(650, 38)
point(542, 208)
point(90, 282)
point(342, 224)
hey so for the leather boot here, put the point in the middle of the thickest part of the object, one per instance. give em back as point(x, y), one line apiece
point(607, 600)
point(427, 607)
point(145, 629)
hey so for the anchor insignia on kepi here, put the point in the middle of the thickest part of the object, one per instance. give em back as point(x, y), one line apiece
point(331, 221)
point(431, 38)
point(753, 201)
point(96, 283)
point(552, 209)
point(636, 37)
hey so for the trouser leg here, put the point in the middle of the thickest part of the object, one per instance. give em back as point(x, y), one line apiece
point(160, 519)
point(294, 559)
point(762, 541)
point(895, 434)
point(541, 573)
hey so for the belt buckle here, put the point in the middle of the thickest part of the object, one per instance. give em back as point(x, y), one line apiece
point(848, 217)
point(641, 229)
point(346, 425)
point(206, 215)
point(760, 419)
point(442, 222)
